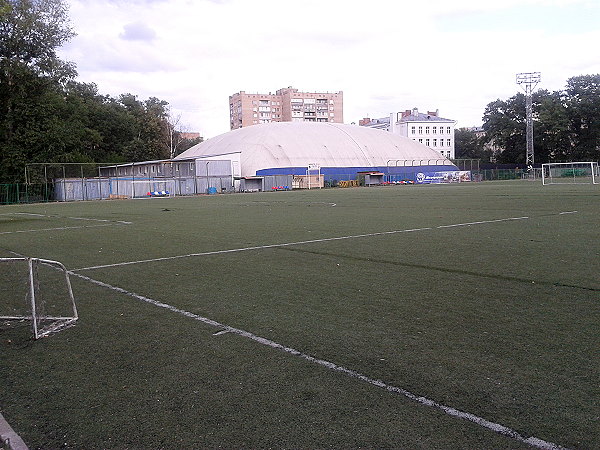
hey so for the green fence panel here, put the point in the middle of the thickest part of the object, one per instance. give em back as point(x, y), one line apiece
point(25, 193)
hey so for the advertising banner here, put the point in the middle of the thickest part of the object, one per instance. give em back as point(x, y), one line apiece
point(455, 176)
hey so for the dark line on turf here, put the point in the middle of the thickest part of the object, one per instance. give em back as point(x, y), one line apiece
point(441, 269)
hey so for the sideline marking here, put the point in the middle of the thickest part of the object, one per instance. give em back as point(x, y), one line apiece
point(9, 438)
point(53, 216)
point(235, 250)
point(59, 228)
point(480, 222)
point(495, 427)
point(312, 241)
point(219, 333)
point(105, 222)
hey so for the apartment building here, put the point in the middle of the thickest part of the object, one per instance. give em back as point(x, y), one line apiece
point(428, 129)
point(286, 105)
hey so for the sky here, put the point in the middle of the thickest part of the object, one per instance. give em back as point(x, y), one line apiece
point(386, 56)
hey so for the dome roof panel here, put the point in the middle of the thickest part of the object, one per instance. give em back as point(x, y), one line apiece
point(297, 144)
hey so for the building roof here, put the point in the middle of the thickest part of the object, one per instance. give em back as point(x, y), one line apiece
point(298, 144)
point(384, 121)
point(421, 117)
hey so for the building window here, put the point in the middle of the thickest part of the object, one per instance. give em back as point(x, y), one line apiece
point(441, 142)
point(448, 130)
point(420, 141)
point(434, 130)
point(448, 143)
point(435, 142)
point(427, 142)
point(413, 130)
point(426, 130)
point(420, 130)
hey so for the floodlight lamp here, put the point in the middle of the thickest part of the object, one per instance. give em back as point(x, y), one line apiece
point(529, 78)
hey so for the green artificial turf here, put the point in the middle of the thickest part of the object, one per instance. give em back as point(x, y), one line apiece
point(482, 297)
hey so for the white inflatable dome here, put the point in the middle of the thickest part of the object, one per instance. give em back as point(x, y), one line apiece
point(283, 145)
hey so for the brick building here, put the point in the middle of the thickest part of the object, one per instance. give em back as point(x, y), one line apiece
point(286, 105)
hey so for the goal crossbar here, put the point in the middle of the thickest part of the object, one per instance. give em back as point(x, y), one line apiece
point(43, 323)
point(577, 172)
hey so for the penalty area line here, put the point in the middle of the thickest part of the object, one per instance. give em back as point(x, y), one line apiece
point(495, 427)
point(287, 244)
point(52, 216)
point(60, 228)
point(466, 224)
point(245, 249)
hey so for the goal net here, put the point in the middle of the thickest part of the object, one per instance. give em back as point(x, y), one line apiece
point(37, 291)
point(152, 188)
point(570, 173)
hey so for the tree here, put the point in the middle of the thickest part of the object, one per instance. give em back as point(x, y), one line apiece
point(46, 116)
point(582, 100)
point(184, 143)
point(566, 123)
point(179, 140)
point(151, 140)
point(469, 144)
point(552, 135)
point(504, 125)
point(31, 31)
point(30, 77)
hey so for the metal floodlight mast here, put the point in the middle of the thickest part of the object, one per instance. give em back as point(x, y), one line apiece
point(528, 81)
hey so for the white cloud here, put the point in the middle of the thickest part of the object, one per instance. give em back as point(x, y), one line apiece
point(386, 56)
point(137, 31)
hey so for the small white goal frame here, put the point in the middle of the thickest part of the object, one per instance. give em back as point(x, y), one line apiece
point(35, 314)
point(591, 174)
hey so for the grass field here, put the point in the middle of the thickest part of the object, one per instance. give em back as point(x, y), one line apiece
point(458, 316)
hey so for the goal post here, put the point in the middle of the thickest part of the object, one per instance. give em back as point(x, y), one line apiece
point(585, 172)
point(144, 188)
point(36, 290)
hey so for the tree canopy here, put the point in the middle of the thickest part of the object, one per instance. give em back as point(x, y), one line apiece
point(566, 123)
point(47, 116)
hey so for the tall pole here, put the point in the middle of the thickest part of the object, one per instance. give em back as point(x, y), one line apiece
point(528, 82)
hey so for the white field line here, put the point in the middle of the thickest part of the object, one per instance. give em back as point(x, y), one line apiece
point(8, 437)
point(311, 241)
point(495, 427)
point(67, 217)
point(58, 228)
point(482, 222)
point(105, 223)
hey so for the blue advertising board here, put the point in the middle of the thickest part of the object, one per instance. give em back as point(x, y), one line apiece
point(454, 176)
